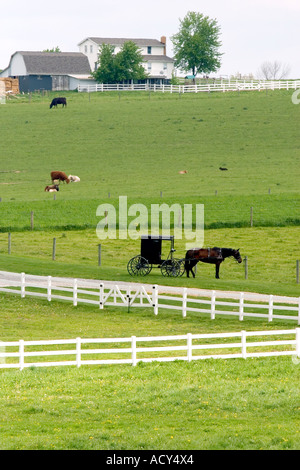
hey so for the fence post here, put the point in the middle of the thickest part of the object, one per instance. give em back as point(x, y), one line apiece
point(101, 296)
point(299, 312)
point(155, 298)
point(2, 351)
point(49, 288)
point(270, 318)
point(75, 292)
point(128, 292)
point(21, 354)
point(244, 345)
point(22, 285)
point(251, 216)
point(241, 316)
point(298, 342)
point(184, 302)
point(246, 267)
point(78, 352)
point(53, 249)
point(133, 350)
point(189, 347)
point(213, 305)
point(99, 254)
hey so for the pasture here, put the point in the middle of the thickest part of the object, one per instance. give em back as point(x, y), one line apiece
point(110, 139)
point(135, 144)
point(211, 404)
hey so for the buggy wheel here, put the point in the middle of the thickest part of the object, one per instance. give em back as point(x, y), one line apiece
point(181, 263)
point(138, 266)
point(170, 267)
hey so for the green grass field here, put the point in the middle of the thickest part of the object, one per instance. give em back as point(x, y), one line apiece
point(134, 145)
point(204, 405)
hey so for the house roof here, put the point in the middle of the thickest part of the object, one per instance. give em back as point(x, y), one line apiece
point(157, 58)
point(120, 41)
point(55, 63)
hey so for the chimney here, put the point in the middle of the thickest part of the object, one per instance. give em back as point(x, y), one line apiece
point(163, 40)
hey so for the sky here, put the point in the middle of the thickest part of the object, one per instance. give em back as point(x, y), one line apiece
point(252, 31)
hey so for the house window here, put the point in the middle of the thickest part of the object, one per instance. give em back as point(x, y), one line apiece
point(85, 49)
point(149, 66)
point(149, 50)
point(165, 66)
point(91, 48)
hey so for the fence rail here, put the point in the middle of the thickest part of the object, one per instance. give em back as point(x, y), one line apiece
point(181, 299)
point(15, 354)
point(236, 85)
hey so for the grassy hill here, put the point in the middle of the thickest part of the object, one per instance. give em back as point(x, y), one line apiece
point(135, 144)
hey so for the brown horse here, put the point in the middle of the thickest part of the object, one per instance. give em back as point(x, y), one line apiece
point(209, 255)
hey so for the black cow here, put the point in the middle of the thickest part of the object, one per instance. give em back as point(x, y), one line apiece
point(57, 101)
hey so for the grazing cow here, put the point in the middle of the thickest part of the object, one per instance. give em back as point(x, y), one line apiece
point(60, 176)
point(52, 188)
point(57, 101)
point(74, 179)
point(223, 168)
point(182, 172)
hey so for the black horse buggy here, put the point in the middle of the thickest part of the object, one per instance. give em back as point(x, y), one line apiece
point(151, 252)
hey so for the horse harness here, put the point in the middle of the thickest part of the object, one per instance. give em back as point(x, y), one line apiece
point(218, 257)
point(219, 253)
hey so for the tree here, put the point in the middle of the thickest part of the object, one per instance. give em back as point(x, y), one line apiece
point(273, 70)
point(105, 73)
point(196, 45)
point(128, 63)
point(54, 49)
point(123, 66)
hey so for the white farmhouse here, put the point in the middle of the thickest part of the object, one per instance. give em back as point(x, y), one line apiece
point(157, 64)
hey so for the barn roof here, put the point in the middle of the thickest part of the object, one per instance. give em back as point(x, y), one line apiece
point(55, 63)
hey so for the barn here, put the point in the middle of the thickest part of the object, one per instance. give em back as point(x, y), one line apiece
point(48, 70)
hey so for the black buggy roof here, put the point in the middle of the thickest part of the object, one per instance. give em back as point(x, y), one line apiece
point(157, 237)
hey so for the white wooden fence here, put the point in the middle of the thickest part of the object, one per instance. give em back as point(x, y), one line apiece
point(181, 299)
point(16, 354)
point(235, 85)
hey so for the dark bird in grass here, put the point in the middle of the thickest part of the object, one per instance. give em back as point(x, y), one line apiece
point(222, 168)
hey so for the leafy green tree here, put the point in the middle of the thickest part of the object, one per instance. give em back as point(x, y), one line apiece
point(54, 49)
point(123, 66)
point(196, 45)
point(105, 73)
point(128, 63)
